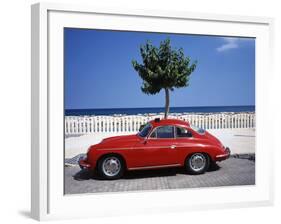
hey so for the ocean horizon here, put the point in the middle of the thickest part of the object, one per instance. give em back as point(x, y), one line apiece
point(157, 110)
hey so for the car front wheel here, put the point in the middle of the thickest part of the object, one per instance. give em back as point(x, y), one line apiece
point(197, 163)
point(111, 167)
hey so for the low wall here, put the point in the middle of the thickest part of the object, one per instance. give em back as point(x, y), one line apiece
point(75, 125)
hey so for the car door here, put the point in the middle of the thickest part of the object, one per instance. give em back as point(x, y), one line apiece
point(185, 142)
point(159, 148)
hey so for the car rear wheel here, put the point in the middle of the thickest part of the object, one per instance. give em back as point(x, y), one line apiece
point(111, 167)
point(197, 163)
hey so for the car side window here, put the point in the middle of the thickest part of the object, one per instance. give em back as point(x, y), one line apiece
point(183, 133)
point(163, 132)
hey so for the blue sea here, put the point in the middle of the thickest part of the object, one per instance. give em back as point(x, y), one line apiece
point(156, 110)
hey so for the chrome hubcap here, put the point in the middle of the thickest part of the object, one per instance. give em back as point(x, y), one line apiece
point(111, 166)
point(197, 161)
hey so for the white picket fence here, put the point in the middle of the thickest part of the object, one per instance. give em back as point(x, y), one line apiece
point(131, 123)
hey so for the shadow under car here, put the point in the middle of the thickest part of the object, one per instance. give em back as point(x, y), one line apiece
point(85, 174)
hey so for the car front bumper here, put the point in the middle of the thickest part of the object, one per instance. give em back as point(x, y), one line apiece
point(223, 156)
point(84, 164)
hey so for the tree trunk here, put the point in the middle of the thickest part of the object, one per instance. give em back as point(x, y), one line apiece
point(167, 103)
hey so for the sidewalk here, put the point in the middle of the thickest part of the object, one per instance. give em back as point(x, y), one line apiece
point(240, 141)
point(231, 172)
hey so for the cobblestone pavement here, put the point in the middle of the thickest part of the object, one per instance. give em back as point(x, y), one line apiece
point(233, 171)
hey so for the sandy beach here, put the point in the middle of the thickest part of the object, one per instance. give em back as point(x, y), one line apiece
point(240, 140)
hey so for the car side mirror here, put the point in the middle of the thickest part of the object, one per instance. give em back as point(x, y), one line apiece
point(144, 141)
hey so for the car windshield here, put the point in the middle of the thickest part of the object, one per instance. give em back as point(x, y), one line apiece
point(198, 130)
point(145, 130)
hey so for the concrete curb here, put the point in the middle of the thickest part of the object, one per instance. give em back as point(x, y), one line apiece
point(249, 156)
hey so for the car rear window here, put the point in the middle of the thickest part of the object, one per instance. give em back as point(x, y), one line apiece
point(198, 130)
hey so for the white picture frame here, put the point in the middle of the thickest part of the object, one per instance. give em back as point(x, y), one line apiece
point(48, 200)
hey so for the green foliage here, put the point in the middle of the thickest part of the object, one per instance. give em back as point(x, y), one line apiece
point(163, 67)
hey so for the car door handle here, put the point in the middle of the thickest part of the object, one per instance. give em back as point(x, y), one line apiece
point(172, 146)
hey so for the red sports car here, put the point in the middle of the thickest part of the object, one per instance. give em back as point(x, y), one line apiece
point(159, 144)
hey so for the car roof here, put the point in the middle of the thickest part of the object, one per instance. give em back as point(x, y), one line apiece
point(161, 122)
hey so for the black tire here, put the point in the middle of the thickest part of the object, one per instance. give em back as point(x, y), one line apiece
point(213, 166)
point(197, 163)
point(111, 167)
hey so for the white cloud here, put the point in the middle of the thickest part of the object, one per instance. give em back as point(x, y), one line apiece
point(229, 43)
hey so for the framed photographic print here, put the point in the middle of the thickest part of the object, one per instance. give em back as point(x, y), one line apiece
point(166, 109)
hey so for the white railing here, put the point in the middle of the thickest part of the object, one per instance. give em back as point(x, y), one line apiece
point(131, 123)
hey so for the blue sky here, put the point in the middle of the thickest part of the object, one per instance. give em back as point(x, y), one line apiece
point(99, 73)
